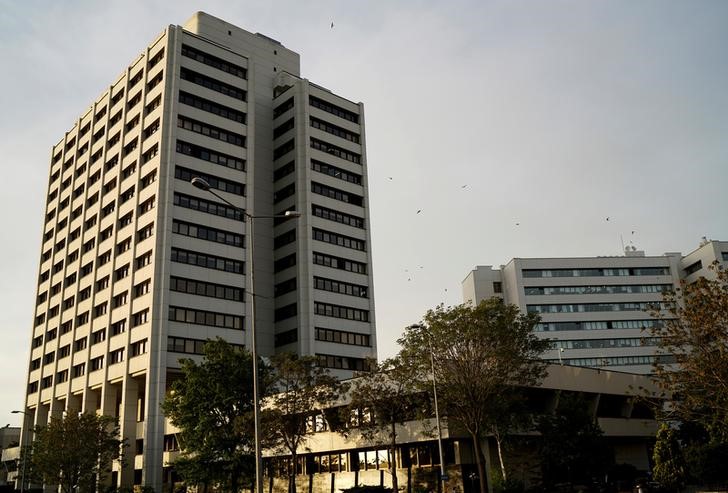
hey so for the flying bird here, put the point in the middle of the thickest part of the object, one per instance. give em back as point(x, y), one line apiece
point(464, 186)
point(419, 210)
point(607, 218)
point(518, 224)
point(332, 25)
point(390, 178)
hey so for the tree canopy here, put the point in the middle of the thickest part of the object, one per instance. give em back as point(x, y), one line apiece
point(212, 405)
point(298, 388)
point(480, 353)
point(75, 451)
point(381, 400)
point(694, 328)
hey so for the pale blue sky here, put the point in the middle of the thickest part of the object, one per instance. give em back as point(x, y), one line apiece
point(555, 114)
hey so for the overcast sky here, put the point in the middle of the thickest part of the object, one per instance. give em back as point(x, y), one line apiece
point(550, 114)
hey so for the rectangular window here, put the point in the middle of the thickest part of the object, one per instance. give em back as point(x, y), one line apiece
point(334, 130)
point(336, 194)
point(336, 172)
point(207, 261)
point(201, 317)
point(208, 289)
point(213, 61)
point(337, 311)
point(210, 156)
point(340, 287)
point(339, 263)
point(333, 109)
point(336, 216)
point(211, 131)
point(202, 205)
point(138, 348)
point(335, 151)
point(205, 233)
point(216, 183)
point(342, 337)
point(340, 240)
point(80, 344)
point(118, 327)
point(211, 107)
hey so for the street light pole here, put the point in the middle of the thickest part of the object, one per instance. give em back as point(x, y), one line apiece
point(443, 477)
point(22, 452)
point(203, 185)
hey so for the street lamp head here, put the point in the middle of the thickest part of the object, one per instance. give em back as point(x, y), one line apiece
point(292, 214)
point(200, 183)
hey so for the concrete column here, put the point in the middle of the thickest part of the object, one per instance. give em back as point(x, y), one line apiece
point(128, 424)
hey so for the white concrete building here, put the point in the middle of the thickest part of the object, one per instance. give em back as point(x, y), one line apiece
point(595, 308)
point(138, 268)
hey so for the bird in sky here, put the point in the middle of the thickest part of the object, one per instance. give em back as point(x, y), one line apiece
point(464, 186)
point(607, 218)
point(518, 224)
point(332, 24)
point(390, 178)
point(419, 210)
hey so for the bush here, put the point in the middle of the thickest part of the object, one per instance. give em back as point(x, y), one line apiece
point(510, 485)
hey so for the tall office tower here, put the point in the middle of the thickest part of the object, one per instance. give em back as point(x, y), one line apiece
point(595, 308)
point(138, 267)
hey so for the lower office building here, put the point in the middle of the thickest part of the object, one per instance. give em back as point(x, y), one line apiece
point(597, 310)
point(138, 268)
point(329, 462)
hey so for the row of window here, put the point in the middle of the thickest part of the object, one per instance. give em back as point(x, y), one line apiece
point(340, 240)
point(213, 61)
point(597, 272)
point(342, 337)
point(210, 156)
point(203, 288)
point(211, 131)
point(339, 173)
point(343, 362)
point(207, 206)
point(202, 317)
point(283, 107)
point(212, 107)
point(221, 184)
point(283, 128)
point(284, 148)
point(607, 289)
point(340, 287)
point(418, 455)
point(207, 261)
point(335, 151)
point(333, 109)
point(597, 325)
point(205, 233)
point(336, 194)
point(605, 343)
point(619, 361)
point(284, 171)
point(336, 216)
point(593, 307)
point(185, 346)
point(212, 84)
point(334, 130)
point(338, 311)
point(339, 263)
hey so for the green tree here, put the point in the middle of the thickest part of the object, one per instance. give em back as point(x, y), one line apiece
point(75, 451)
point(573, 448)
point(480, 353)
point(299, 388)
point(668, 461)
point(694, 328)
point(212, 405)
point(381, 400)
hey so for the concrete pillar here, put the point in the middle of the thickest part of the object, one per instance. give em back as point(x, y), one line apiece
point(128, 424)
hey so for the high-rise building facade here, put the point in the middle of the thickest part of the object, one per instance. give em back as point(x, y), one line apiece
point(138, 267)
point(597, 310)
